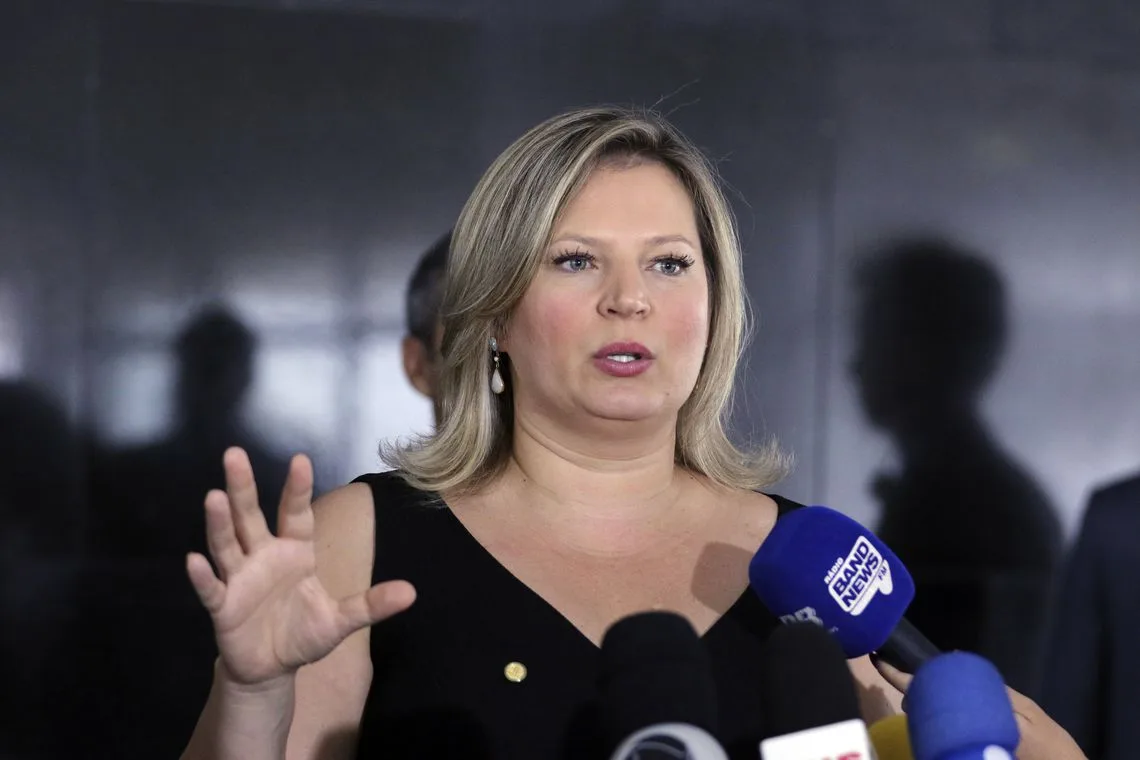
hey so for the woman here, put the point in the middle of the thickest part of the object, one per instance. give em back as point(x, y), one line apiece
point(593, 317)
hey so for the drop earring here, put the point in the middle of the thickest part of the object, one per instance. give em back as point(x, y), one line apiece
point(496, 378)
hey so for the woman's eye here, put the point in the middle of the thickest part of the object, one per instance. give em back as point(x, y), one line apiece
point(574, 262)
point(673, 265)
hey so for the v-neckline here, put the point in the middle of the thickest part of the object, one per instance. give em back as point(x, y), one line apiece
point(468, 537)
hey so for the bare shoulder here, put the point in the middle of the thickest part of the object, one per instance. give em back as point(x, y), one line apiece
point(331, 692)
point(343, 533)
point(745, 517)
point(343, 502)
point(758, 508)
point(756, 512)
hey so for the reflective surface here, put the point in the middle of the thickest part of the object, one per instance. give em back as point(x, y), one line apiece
point(282, 168)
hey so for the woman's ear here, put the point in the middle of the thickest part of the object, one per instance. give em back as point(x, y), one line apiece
point(502, 335)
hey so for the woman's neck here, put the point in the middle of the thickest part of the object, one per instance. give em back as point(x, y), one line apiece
point(611, 492)
point(609, 475)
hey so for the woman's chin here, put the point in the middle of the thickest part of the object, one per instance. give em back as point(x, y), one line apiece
point(617, 409)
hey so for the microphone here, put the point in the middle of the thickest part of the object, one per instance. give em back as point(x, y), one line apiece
point(670, 741)
point(890, 739)
point(958, 708)
point(820, 566)
point(657, 694)
point(809, 698)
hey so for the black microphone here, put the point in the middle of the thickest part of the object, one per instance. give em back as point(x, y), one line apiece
point(809, 698)
point(907, 649)
point(657, 694)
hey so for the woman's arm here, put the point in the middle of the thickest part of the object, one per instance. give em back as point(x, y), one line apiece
point(314, 712)
point(331, 692)
point(242, 722)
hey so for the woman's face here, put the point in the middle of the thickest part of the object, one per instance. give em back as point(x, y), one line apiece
point(615, 324)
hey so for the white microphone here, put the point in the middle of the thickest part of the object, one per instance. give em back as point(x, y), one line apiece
point(657, 697)
point(810, 702)
point(838, 741)
point(670, 741)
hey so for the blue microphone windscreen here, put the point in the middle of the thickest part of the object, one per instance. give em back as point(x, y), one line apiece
point(958, 702)
point(818, 565)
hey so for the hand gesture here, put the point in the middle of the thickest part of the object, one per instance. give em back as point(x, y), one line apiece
point(271, 613)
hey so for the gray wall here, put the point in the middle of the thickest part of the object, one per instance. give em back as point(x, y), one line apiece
point(294, 159)
point(160, 155)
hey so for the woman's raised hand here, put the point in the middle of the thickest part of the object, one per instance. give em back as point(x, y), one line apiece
point(271, 614)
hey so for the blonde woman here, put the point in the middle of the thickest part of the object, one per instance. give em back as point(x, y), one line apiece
point(593, 318)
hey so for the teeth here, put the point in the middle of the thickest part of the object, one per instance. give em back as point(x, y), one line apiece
point(623, 357)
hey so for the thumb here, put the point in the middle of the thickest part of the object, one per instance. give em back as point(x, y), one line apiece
point(377, 603)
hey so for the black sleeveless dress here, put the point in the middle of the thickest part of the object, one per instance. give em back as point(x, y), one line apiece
point(483, 667)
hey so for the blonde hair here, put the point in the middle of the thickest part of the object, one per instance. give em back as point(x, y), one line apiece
point(496, 249)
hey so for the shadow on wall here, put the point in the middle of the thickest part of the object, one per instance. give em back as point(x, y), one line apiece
point(977, 533)
point(103, 633)
point(41, 509)
point(155, 640)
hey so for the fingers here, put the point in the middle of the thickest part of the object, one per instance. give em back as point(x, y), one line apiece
point(1041, 736)
point(1023, 707)
point(377, 603)
point(295, 512)
point(220, 536)
point(893, 675)
point(1026, 710)
point(249, 522)
point(210, 590)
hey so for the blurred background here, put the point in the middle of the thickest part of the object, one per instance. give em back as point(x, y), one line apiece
point(210, 213)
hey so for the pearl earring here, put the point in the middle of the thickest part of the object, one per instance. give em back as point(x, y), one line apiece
point(496, 378)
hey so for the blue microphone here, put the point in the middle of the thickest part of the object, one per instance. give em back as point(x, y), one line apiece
point(820, 566)
point(958, 708)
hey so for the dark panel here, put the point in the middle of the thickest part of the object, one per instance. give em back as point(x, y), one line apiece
point(45, 48)
point(756, 102)
point(236, 139)
point(293, 165)
point(1035, 167)
point(44, 57)
point(288, 167)
point(964, 24)
point(424, 9)
point(1094, 30)
point(996, 357)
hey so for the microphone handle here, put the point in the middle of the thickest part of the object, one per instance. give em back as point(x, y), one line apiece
point(907, 649)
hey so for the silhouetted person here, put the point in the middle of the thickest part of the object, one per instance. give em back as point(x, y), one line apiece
point(41, 486)
point(978, 535)
point(155, 644)
point(41, 494)
point(151, 495)
point(422, 320)
point(1092, 663)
